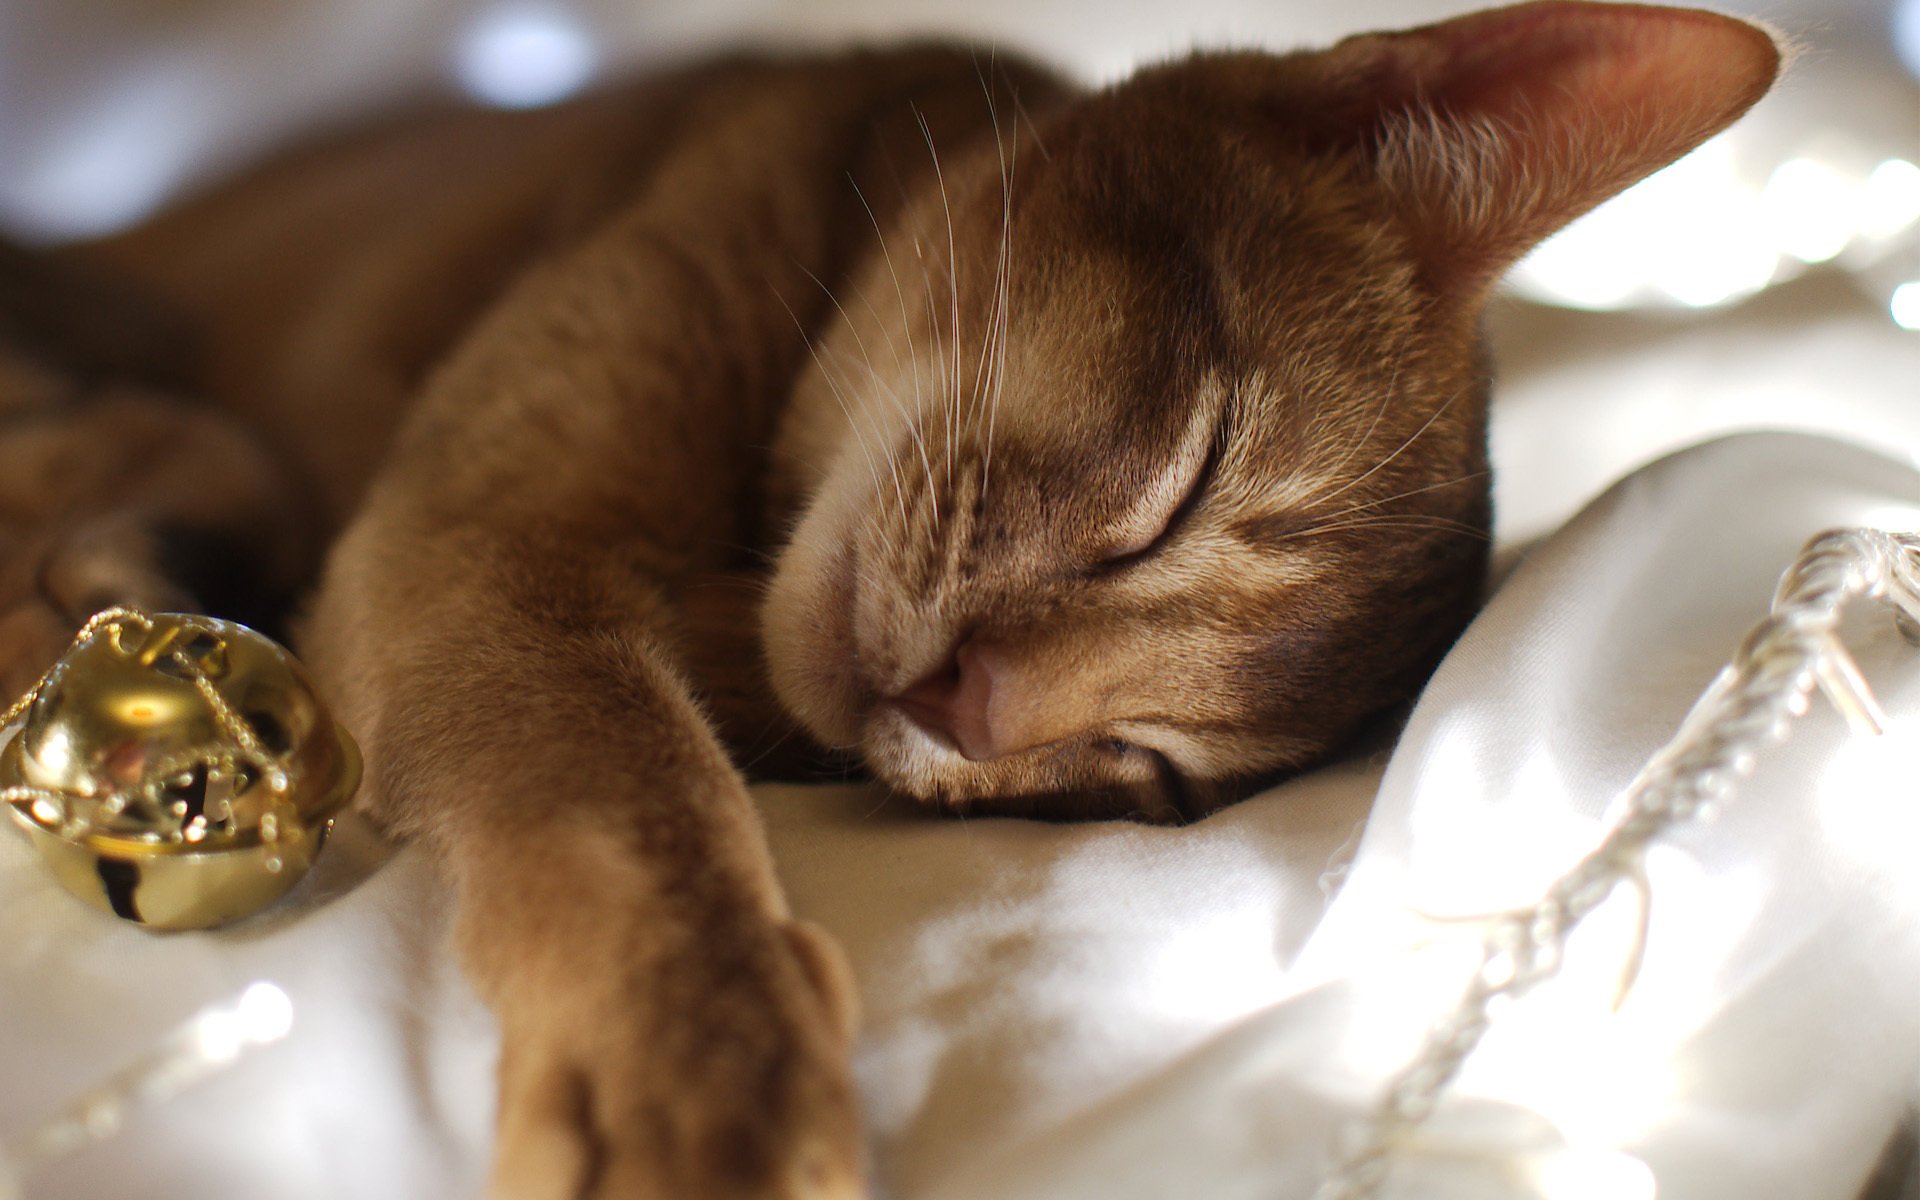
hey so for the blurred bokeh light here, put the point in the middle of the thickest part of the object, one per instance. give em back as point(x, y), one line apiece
point(523, 57)
point(107, 107)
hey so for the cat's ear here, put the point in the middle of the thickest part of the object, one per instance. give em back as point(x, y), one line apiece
point(1492, 130)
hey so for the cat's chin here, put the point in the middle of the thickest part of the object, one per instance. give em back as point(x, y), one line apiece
point(912, 761)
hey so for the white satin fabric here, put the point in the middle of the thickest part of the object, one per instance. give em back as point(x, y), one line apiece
point(1107, 1011)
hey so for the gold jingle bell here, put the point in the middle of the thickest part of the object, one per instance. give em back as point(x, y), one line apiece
point(177, 771)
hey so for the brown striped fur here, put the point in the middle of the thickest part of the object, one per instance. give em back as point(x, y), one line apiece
point(1138, 436)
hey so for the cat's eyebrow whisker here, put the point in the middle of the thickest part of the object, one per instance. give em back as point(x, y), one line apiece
point(922, 401)
point(976, 395)
point(1411, 439)
point(1380, 410)
point(1419, 491)
point(900, 296)
point(936, 339)
point(1388, 520)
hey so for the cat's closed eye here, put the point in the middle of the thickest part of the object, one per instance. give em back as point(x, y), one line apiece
point(1172, 494)
point(1161, 528)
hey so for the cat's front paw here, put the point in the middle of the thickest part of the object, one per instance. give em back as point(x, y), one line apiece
point(116, 497)
point(715, 1069)
point(53, 579)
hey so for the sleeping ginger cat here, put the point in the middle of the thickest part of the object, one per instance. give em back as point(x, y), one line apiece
point(1050, 452)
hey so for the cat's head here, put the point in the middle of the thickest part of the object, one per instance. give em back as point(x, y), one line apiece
point(1152, 453)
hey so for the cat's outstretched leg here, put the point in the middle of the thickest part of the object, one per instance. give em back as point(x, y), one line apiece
point(506, 623)
point(669, 1030)
point(499, 628)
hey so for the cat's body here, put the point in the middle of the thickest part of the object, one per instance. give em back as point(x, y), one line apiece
point(1116, 452)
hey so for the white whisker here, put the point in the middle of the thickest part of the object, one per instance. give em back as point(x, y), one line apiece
point(953, 298)
point(1391, 520)
point(1419, 491)
point(1386, 401)
point(936, 387)
point(906, 328)
point(1010, 166)
point(1414, 437)
point(826, 374)
point(875, 383)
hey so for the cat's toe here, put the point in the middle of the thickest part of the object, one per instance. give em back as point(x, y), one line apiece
point(736, 1088)
point(546, 1147)
point(553, 1143)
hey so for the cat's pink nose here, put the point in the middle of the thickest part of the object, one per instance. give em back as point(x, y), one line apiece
point(955, 703)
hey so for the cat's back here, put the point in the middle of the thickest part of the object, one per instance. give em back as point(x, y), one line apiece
point(328, 280)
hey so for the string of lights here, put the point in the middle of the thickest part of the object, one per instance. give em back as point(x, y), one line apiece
point(210, 1041)
point(1751, 705)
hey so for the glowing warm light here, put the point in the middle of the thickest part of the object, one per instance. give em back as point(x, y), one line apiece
point(1699, 234)
point(265, 1013)
point(1892, 516)
point(1395, 1002)
point(1694, 233)
point(1221, 970)
point(1891, 199)
point(1607, 1076)
point(1560, 1051)
point(217, 1036)
point(1905, 305)
point(54, 754)
point(1720, 272)
point(1867, 805)
point(261, 1015)
point(1477, 858)
point(149, 709)
point(1576, 1174)
point(1809, 209)
point(524, 57)
point(1581, 271)
point(114, 167)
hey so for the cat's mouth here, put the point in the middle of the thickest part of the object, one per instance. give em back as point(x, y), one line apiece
point(911, 758)
point(1077, 778)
